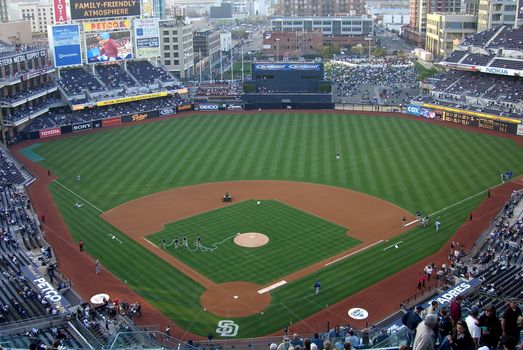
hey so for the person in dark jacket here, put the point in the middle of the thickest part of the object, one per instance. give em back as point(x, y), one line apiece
point(490, 327)
point(460, 338)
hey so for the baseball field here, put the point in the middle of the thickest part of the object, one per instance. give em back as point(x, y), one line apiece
point(143, 187)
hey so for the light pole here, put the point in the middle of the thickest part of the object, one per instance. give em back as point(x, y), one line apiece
point(277, 49)
point(369, 39)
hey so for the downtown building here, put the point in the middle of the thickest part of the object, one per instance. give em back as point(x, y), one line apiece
point(321, 7)
point(176, 47)
point(497, 12)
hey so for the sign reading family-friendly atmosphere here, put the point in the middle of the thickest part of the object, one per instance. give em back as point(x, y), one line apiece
point(64, 42)
point(146, 35)
point(90, 9)
point(109, 46)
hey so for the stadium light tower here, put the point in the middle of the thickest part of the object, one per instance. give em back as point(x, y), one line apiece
point(369, 39)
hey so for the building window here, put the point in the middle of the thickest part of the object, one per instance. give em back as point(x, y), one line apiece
point(167, 55)
point(167, 62)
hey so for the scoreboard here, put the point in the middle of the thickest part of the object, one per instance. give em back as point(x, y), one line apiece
point(477, 119)
point(479, 122)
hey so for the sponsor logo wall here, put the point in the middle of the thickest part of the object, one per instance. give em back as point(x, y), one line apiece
point(520, 130)
point(184, 107)
point(167, 111)
point(288, 66)
point(64, 41)
point(108, 46)
point(107, 25)
point(130, 99)
point(90, 9)
point(111, 121)
point(146, 34)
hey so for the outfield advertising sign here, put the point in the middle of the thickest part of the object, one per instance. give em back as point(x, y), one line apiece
point(107, 25)
point(50, 132)
point(167, 111)
point(414, 110)
point(111, 121)
point(136, 117)
point(147, 37)
point(64, 42)
point(209, 107)
point(519, 130)
point(82, 126)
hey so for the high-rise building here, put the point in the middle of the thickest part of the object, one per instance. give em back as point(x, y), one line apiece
point(446, 30)
point(3, 11)
point(496, 12)
point(40, 14)
point(419, 9)
point(176, 47)
point(322, 7)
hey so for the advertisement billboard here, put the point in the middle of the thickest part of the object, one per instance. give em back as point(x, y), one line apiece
point(108, 46)
point(131, 99)
point(136, 117)
point(288, 66)
point(91, 9)
point(82, 126)
point(107, 25)
point(50, 132)
point(21, 58)
point(208, 107)
point(414, 110)
point(64, 41)
point(111, 121)
point(167, 111)
point(60, 11)
point(147, 38)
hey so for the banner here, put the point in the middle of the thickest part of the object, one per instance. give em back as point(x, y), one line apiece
point(90, 9)
point(109, 46)
point(234, 107)
point(48, 291)
point(519, 130)
point(414, 110)
point(21, 58)
point(107, 25)
point(82, 126)
point(50, 132)
point(147, 36)
point(184, 107)
point(131, 99)
point(111, 121)
point(167, 111)
point(136, 117)
point(60, 11)
point(208, 107)
point(288, 66)
point(64, 42)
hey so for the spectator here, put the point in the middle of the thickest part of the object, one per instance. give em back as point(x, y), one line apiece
point(460, 338)
point(490, 327)
point(510, 320)
point(472, 325)
point(424, 339)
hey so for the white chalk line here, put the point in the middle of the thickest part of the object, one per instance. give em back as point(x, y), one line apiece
point(77, 195)
point(356, 252)
point(272, 286)
point(151, 243)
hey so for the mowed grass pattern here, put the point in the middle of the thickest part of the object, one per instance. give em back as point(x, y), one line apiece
point(292, 233)
point(415, 165)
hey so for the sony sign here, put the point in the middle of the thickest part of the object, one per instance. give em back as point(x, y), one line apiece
point(83, 126)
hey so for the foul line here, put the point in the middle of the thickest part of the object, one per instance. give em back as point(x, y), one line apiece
point(357, 251)
point(461, 201)
point(151, 243)
point(272, 286)
point(77, 195)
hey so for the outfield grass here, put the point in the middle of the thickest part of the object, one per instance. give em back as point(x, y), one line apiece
point(291, 232)
point(415, 165)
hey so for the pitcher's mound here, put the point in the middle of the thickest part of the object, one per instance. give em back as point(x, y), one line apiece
point(251, 239)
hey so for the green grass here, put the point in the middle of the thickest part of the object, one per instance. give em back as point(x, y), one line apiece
point(291, 232)
point(416, 165)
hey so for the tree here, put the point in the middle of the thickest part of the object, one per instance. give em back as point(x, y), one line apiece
point(379, 52)
point(327, 51)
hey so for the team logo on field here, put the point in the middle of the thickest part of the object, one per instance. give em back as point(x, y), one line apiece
point(227, 328)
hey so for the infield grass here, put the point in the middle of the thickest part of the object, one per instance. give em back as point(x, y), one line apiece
point(416, 165)
point(291, 233)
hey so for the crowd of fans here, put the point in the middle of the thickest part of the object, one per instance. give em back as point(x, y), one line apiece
point(379, 81)
point(218, 89)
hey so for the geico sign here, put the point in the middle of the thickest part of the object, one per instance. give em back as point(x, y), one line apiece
point(209, 107)
point(81, 127)
point(50, 132)
point(48, 290)
point(412, 109)
point(139, 116)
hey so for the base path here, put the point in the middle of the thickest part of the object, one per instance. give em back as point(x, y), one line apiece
point(370, 220)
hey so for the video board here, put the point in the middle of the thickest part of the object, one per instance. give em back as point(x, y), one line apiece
point(108, 46)
point(147, 37)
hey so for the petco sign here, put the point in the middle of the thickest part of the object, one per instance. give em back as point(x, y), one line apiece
point(209, 107)
point(50, 132)
point(414, 110)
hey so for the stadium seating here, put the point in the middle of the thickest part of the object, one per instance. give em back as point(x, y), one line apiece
point(114, 76)
point(74, 80)
point(146, 73)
